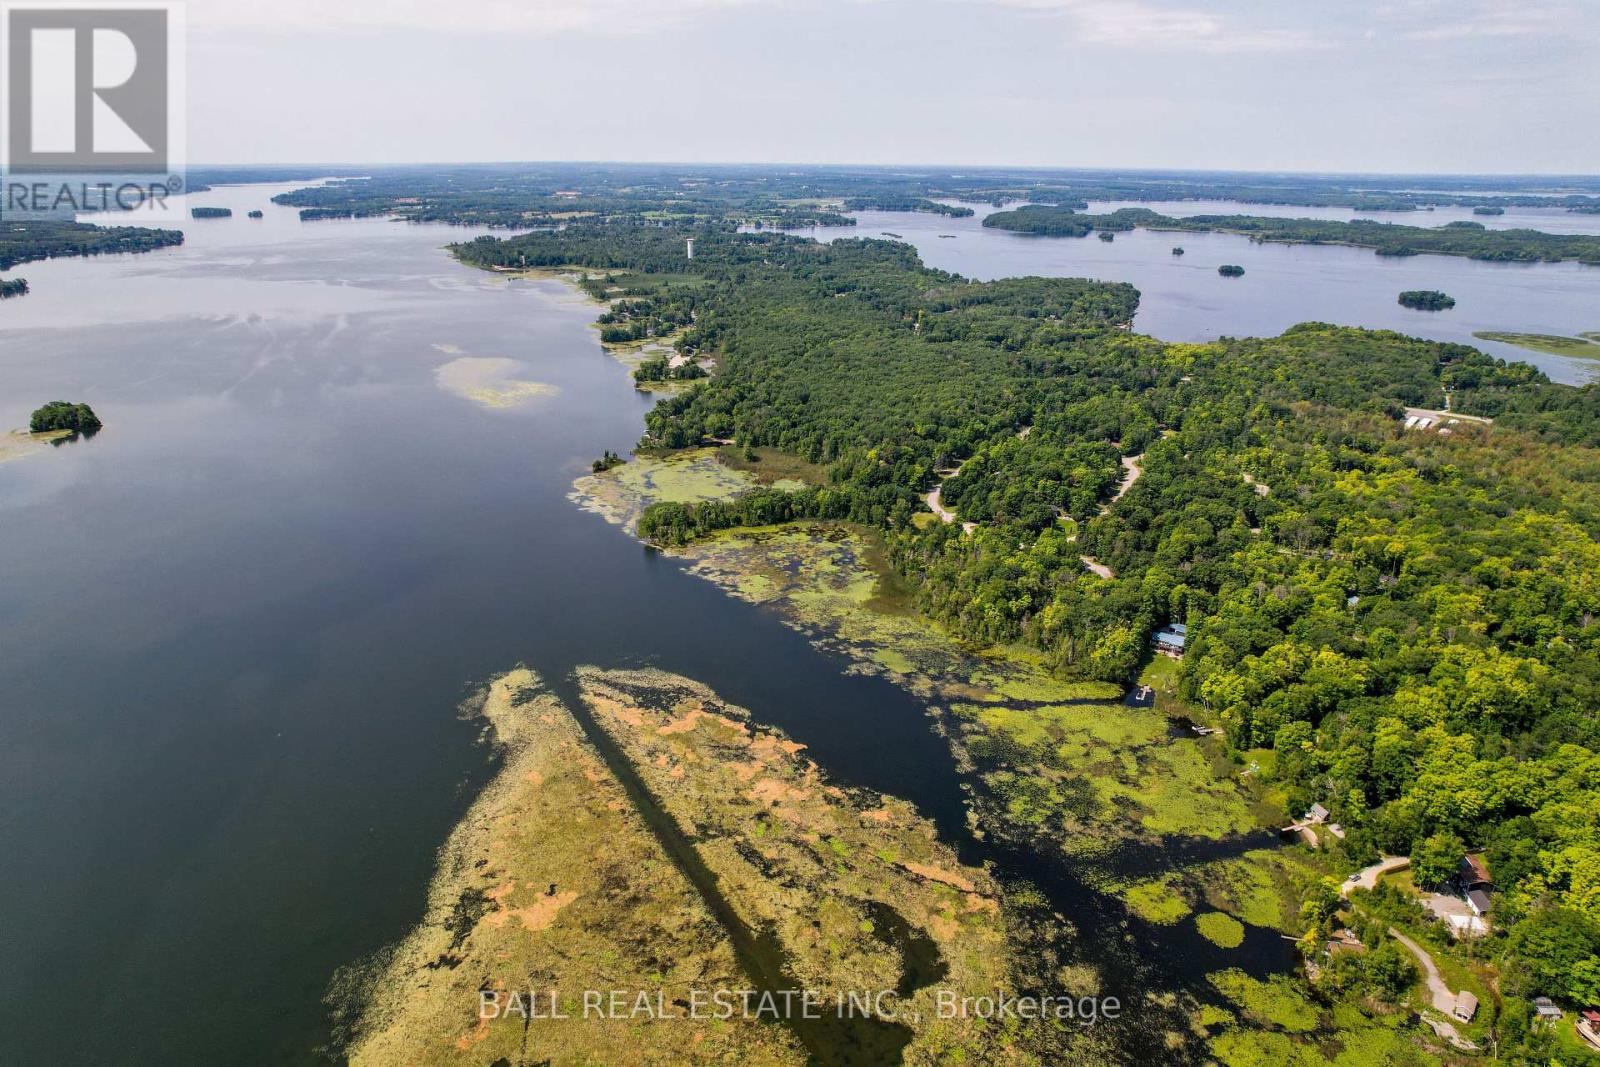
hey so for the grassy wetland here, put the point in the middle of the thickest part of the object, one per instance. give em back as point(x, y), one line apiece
point(1145, 825)
point(552, 885)
point(852, 891)
point(646, 835)
point(653, 849)
point(1064, 756)
point(1584, 346)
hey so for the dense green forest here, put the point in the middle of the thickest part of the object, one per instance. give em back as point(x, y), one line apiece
point(1043, 220)
point(1470, 239)
point(1409, 619)
point(24, 242)
point(906, 203)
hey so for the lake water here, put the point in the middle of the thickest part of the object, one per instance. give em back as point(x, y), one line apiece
point(237, 623)
point(1182, 298)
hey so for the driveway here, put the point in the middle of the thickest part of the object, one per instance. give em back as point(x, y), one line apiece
point(1367, 877)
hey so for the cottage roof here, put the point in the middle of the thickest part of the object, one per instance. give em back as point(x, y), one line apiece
point(1177, 635)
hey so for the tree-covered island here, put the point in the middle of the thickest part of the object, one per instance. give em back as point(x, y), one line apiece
point(59, 415)
point(1426, 300)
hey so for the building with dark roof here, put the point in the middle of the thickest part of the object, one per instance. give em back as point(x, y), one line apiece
point(1473, 873)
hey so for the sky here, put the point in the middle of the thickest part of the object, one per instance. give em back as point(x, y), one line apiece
point(1401, 86)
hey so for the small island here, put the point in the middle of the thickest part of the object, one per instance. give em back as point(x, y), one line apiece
point(10, 287)
point(1426, 300)
point(257, 214)
point(1485, 210)
point(608, 459)
point(58, 415)
point(1177, 250)
point(1106, 235)
point(211, 212)
point(1231, 270)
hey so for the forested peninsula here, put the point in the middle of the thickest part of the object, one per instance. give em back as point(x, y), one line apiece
point(25, 242)
point(1470, 239)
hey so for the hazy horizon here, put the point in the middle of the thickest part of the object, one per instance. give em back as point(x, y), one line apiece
point(1395, 87)
point(908, 165)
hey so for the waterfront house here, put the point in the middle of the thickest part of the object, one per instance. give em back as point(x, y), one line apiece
point(1169, 640)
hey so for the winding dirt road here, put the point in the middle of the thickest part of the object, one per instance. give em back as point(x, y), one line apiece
point(938, 508)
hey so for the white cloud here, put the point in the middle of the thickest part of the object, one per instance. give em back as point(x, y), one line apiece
point(1137, 24)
